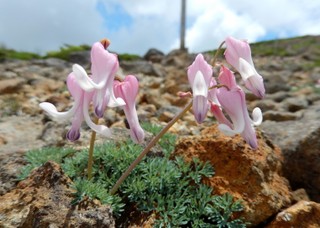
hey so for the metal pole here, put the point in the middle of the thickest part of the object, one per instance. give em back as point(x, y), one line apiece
point(183, 25)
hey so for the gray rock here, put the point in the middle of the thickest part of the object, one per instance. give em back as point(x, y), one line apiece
point(279, 116)
point(154, 55)
point(21, 133)
point(277, 81)
point(80, 57)
point(300, 144)
point(278, 96)
point(293, 104)
point(265, 105)
point(51, 62)
point(141, 66)
point(8, 74)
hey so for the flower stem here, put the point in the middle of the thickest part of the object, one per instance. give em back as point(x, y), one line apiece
point(213, 62)
point(149, 146)
point(90, 159)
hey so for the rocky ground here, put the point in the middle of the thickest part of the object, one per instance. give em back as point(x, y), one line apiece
point(279, 183)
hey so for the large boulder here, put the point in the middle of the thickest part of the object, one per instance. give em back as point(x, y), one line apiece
point(44, 200)
point(300, 145)
point(253, 176)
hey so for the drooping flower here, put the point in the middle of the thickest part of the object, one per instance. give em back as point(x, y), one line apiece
point(128, 91)
point(78, 112)
point(232, 100)
point(238, 54)
point(199, 76)
point(104, 66)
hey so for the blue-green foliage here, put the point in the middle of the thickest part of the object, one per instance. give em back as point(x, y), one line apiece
point(36, 158)
point(170, 188)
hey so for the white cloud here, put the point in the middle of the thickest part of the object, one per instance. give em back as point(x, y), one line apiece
point(40, 25)
point(216, 21)
point(156, 25)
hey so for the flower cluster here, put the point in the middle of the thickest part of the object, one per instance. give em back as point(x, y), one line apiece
point(227, 95)
point(100, 89)
point(223, 97)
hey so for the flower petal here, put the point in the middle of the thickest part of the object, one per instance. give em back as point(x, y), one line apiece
point(237, 49)
point(104, 64)
point(74, 133)
point(200, 108)
point(103, 130)
point(201, 65)
point(218, 114)
point(128, 91)
point(257, 116)
point(52, 111)
point(246, 69)
point(249, 135)
point(238, 54)
point(232, 101)
point(136, 132)
point(115, 102)
point(199, 87)
point(85, 82)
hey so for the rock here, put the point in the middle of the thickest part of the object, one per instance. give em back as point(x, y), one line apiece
point(47, 85)
point(80, 57)
point(277, 82)
point(278, 96)
point(166, 113)
point(54, 133)
point(20, 133)
point(141, 66)
point(154, 55)
point(254, 176)
point(8, 74)
point(293, 104)
point(11, 85)
point(304, 214)
point(9, 169)
point(265, 105)
point(44, 200)
point(52, 62)
point(280, 115)
point(300, 144)
point(178, 58)
point(300, 194)
point(153, 97)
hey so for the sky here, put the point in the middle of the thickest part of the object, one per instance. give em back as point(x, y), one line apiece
point(135, 26)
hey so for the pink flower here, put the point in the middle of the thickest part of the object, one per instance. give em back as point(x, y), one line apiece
point(128, 91)
point(232, 100)
point(215, 106)
point(238, 54)
point(104, 67)
point(78, 112)
point(199, 75)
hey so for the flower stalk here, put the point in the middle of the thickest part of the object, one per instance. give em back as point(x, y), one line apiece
point(91, 149)
point(148, 147)
point(213, 62)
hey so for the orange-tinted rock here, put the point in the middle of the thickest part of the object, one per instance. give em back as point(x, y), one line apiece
point(44, 200)
point(253, 176)
point(304, 214)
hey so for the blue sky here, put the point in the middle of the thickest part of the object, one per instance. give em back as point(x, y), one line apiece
point(134, 26)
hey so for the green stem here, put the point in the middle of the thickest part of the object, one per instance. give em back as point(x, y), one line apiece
point(149, 146)
point(90, 159)
point(213, 62)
